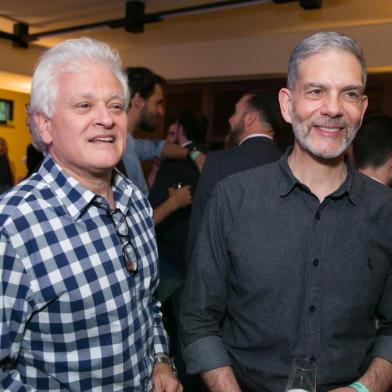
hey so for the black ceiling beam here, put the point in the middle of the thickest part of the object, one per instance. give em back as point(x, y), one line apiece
point(310, 4)
point(21, 34)
point(305, 4)
point(136, 19)
point(9, 36)
point(110, 23)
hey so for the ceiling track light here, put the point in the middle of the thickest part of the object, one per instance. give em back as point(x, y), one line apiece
point(135, 18)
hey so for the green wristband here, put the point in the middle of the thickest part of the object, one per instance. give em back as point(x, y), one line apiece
point(194, 154)
point(358, 386)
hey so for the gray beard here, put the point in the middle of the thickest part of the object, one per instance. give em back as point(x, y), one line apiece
point(302, 139)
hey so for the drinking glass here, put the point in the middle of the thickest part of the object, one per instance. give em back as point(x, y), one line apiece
point(302, 376)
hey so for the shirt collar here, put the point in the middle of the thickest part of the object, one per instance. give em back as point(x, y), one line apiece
point(74, 196)
point(287, 180)
point(255, 135)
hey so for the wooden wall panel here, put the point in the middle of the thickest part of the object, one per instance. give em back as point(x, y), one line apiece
point(217, 99)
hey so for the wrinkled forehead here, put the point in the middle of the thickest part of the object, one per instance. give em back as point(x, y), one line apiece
point(89, 81)
point(332, 64)
point(331, 59)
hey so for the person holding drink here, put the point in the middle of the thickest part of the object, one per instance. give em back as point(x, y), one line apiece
point(294, 258)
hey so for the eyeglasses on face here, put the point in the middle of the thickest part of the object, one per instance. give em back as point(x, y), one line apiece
point(122, 230)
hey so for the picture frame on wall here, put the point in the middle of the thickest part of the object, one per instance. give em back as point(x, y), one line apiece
point(6, 111)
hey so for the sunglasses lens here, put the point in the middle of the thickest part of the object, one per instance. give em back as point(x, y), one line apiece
point(121, 227)
point(130, 258)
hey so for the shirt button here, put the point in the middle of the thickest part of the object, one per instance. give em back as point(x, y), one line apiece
point(312, 308)
point(315, 262)
point(318, 215)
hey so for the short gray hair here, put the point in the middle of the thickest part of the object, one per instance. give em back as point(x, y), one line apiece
point(320, 43)
point(67, 56)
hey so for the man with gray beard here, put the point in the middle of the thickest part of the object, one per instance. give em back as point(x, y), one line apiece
point(253, 125)
point(294, 258)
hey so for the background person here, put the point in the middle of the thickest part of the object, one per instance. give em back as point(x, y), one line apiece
point(253, 124)
point(6, 176)
point(146, 108)
point(372, 148)
point(190, 129)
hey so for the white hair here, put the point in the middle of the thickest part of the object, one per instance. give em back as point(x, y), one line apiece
point(68, 56)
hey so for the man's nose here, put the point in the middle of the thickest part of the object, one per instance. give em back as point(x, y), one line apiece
point(332, 105)
point(103, 116)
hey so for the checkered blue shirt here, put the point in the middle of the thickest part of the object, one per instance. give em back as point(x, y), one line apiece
point(72, 317)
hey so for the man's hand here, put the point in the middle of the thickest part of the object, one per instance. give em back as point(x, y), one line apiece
point(181, 197)
point(164, 379)
point(178, 198)
point(377, 378)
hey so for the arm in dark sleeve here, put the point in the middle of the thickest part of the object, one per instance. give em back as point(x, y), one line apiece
point(205, 293)
point(383, 345)
point(205, 186)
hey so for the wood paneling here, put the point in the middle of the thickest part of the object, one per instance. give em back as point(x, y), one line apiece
point(217, 99)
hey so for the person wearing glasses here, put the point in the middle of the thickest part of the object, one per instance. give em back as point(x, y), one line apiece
point(294, 258)
point(78, 257)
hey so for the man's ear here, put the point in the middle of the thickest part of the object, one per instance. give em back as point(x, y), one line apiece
point(286, 104)
point(389, 163)
point(364, 103)
point(249, 118)
point(44, 127)
point(389, 171)
point(137, 101)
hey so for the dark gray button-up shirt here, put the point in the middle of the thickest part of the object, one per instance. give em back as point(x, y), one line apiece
point(277, 275)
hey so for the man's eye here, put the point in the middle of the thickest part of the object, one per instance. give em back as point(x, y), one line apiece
point(315, 92)
point(353, 95)
point(117, 106)
point(83, 105)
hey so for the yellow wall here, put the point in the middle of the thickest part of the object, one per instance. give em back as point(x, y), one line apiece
point(16, 133)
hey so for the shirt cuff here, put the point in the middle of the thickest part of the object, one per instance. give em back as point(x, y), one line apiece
point(161, 341)
point(205, 354)
point(383, 347)
point(161, 144)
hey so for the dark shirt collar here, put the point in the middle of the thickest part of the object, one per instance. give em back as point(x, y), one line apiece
point(287, 180)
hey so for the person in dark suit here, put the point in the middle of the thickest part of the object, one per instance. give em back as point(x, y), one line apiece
point(189, 132)
point(34, 158)
point(255, 120)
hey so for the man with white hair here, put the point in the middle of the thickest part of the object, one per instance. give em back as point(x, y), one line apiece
point(78, 256)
